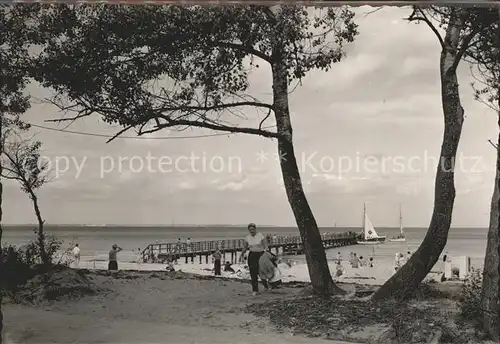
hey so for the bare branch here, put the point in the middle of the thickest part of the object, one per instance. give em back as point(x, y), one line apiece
point(493, 144)
point(372, 11)
point(463, 48)
point(121, 132)
point(264, 119)
point(422, 17)
point(169, 122)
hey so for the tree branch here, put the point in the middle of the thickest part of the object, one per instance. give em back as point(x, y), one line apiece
point(494, 145)
point(119, 133)
point(463, 48)
point(246, 49)
point(231, 129)
point(414, 17)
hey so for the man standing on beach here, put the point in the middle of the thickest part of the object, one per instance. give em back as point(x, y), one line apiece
point(76, 254)
point(217, 262)
point(113, 261)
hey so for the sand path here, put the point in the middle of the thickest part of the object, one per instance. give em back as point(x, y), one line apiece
point(151, 310)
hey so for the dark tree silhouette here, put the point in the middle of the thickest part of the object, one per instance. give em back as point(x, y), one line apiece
point(484, 56)
point(156, 67)
point(21, 162)
point(461, 29)
point(15, 37)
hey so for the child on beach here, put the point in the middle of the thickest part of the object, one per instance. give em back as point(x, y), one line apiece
point(339, 271)
point(217, 262)
point(269, 271)
point(371, 262)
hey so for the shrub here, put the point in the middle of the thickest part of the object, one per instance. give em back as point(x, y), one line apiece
point(14, 270)
point(19, 264)
point(470, 297)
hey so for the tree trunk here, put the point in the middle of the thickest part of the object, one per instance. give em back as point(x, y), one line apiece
point(408, 278)
point(1, 229)
point(491, 273)
point(490, 292)
point(317, 263)
point(41, 234)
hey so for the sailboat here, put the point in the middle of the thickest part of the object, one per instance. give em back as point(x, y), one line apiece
point(401, 237)
point(369, 235)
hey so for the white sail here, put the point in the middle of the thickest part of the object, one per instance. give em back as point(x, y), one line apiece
point(369, 230)
point(401, 222)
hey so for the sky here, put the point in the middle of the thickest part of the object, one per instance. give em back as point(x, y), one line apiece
point(367, 131)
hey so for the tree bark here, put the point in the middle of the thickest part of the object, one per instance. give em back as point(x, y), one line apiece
point(491, 273)
point(317, 263)
point(407, 279)
point(490, 291)
point(41, 234)
point(1, 221)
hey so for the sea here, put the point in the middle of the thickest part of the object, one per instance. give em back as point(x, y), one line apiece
point(96, 241)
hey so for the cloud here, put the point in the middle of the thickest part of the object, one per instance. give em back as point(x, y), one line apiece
point(382, 101)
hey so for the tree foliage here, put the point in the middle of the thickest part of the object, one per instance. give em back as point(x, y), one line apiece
point(156, 67)
point(484, 57)
point(15, 38)
point(152, 67)
point(21, 162)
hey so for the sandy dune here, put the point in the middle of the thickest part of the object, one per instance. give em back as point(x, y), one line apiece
point(150, 310)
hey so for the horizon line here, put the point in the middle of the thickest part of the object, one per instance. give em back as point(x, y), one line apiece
point(210, 225)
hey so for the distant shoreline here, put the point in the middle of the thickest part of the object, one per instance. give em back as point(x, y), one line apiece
point(194, 226)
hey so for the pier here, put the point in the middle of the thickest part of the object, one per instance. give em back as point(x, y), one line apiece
point(202, 250)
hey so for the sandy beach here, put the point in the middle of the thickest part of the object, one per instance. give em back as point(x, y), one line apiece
point(142, 303)
point(298, 272)
point(141, 308)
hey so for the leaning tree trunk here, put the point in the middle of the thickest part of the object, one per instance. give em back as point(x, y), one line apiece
point(1, 251)
point(317, 263)
point(491, 274)
point(490, 292)
point(41, 233)
point(1, 229)
point(408, 278)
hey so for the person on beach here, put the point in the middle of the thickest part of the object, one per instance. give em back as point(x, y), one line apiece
point(370, 264)
point(76, 254)
point(408, 256)
point(269, 271)
point(256, 243)
point(170, 263)
point(339, 259)
point(113, 261)
point(339, 271)
point(274, 277)
point(228, 267)
point(354, 261)
point(362, 261)
point(399, 261)
point(217, 262)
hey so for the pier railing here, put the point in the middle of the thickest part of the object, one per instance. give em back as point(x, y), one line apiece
point(232, 245)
